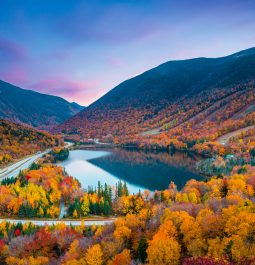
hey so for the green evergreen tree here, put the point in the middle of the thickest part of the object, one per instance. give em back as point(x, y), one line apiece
point(125, 189)
point(106, 208)
point(142, 248)
point(99, 189)
point(34, 166)
point(22, 211)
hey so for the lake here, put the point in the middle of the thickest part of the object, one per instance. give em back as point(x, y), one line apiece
point(141, 170)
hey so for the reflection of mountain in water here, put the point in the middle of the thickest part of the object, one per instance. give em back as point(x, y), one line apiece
point(149, 170)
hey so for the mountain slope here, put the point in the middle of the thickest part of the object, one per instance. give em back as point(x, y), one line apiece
point(169, 95)
point(33, 108)
point(174, 79)
point(17, 141)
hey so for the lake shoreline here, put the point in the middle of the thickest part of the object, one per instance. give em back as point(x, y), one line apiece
point(141, 169)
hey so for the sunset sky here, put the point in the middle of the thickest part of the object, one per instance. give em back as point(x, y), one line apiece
point(79, 50)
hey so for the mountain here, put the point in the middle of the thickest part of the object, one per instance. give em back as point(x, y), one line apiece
point(77, 106)
point(169, 95)
point(33, 108)
point(174, 79)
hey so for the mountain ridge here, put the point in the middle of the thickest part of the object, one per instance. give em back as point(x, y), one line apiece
point(166, 96)
point(33, 108)
point(175, 66)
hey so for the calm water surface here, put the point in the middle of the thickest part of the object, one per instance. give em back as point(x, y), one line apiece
point(141, 170)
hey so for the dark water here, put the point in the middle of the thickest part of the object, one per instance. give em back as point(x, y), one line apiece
point(141, 170)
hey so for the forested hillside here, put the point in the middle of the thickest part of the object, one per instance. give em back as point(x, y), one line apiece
point(179, 103)
point(17, 141)
point(32, 108)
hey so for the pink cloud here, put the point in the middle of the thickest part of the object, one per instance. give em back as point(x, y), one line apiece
point(80, 91)
point(14, 75)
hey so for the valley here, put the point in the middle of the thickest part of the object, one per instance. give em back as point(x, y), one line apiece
point(127, 132)
point(160, 170)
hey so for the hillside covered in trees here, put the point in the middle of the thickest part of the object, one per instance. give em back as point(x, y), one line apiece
point(184, 104)
point(17, 141)
point(32, 108)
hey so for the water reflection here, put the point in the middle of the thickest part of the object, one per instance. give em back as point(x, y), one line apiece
point(141, 170)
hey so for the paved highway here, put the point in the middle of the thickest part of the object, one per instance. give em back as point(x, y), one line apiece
point(14, 169)
point(55, 221)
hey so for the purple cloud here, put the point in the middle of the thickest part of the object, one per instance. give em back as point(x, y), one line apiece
point(10, 50)
point(15, 75)
point(72, 90)
point(115, 61)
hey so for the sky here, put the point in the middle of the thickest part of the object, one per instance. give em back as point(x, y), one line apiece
point(79, 50)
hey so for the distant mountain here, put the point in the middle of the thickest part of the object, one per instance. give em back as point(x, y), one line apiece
point(151, 99)
point(33, 108)
point(77, 106)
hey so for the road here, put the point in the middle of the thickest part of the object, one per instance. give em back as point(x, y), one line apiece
point(14, 169)
point(55, 221)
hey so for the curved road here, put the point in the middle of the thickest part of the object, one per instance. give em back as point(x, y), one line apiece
point(14, 169)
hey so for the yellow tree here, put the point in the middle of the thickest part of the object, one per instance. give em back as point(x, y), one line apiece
point(94, 255)
point(193, 237)
point(164, 249)
point(85, 206)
